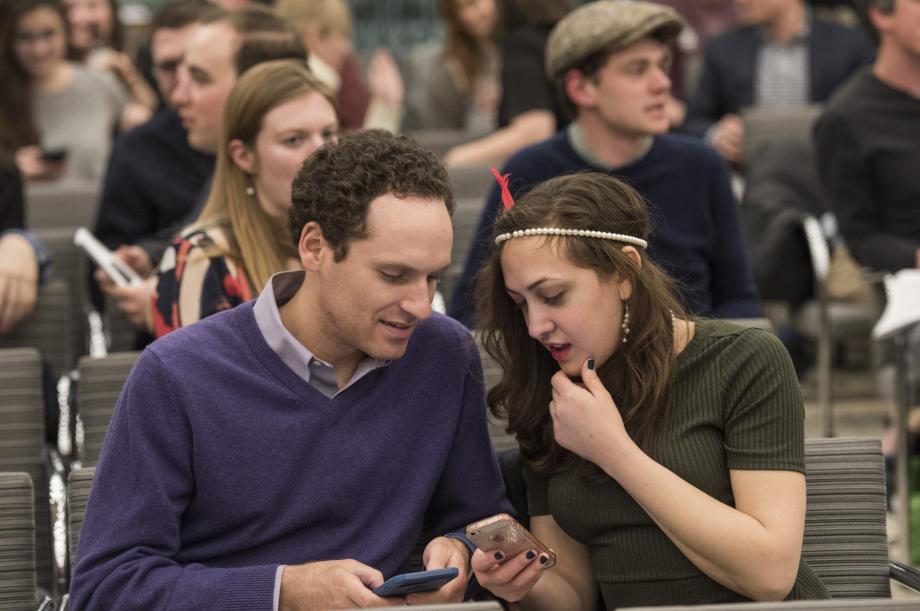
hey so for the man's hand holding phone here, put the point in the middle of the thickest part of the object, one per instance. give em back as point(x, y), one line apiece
point(510, 560)
point(442, 553)
point(333, 584)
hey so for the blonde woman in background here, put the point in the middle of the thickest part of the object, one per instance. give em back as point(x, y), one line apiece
point(277, 115)
point(326, 27)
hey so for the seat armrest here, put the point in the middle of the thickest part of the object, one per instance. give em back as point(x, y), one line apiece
point(96, 336)
point(904, 574)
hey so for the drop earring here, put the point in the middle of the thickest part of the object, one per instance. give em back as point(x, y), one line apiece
point(625, 324)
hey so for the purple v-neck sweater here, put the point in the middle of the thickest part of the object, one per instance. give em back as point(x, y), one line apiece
point(221, 464)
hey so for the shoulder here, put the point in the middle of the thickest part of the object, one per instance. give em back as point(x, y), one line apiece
point(724, 44)
point(689, 152)
point(439, 331)
point(686, 145)
point(162, 123)
point(525, 38)
point(530, 160)
point(203, 237)
point(852, 95)
point(824, 30)
point(735, 345)
point(441, 343)
point(212, 339)
point(193, 247)
point(102, 83)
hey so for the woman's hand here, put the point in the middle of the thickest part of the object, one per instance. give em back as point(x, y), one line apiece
point(586, 420)
point(509, 578)
point(384, 81)
point(34, 167)
point(18, 280)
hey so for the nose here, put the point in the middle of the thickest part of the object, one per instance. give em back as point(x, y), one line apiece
point(315, 141)
point(179, 96)
point(417, 301)
point(539, 325)
point(661, 81)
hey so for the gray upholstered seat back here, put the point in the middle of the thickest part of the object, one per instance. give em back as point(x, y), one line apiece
point(101, 380)
point(78, 487)
point(22, 442)
point(492, 374)
point(17, 542)
point(845, 532)
point(46, 328)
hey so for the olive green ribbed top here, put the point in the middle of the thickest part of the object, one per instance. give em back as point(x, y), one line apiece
point(736, 404)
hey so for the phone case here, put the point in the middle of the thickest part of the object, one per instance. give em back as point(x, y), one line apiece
point(410, 583)
point(503, 532)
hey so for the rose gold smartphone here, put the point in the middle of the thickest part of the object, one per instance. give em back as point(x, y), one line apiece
point(502, 532)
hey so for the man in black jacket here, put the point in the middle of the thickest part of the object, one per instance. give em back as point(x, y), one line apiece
point(780, 58)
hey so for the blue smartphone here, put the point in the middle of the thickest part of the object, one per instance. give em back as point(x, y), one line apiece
point(410, 583)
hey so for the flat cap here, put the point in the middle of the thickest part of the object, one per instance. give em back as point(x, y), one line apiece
point(607, 25)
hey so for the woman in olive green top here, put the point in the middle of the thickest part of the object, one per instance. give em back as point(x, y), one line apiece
point(673, 473)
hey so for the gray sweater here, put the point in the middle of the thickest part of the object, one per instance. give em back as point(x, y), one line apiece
point(81, 118)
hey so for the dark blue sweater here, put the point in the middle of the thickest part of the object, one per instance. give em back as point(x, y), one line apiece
point(696, 235)
point(220, 463)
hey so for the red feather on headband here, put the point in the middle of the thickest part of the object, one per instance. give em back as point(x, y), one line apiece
point(507, 200)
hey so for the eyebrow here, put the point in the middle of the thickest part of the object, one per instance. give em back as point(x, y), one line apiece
point(409, 269)
point(196, 72)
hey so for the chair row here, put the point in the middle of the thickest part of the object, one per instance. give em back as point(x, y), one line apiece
point(845, 530)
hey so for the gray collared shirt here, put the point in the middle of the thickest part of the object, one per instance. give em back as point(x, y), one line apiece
point(318, 374)
point(783, 70)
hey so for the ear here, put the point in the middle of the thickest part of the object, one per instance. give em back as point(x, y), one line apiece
point(312, 248)
point(311, 37)
point(881, 21)
point(624, 282)
point(242, 156)
point(579, 88)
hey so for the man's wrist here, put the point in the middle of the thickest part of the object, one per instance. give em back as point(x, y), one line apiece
point(461, 541)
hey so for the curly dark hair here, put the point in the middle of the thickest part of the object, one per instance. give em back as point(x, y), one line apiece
point(338, 182)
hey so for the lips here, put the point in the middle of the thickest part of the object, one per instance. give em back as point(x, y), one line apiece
point(559, 351)
point(399, 330)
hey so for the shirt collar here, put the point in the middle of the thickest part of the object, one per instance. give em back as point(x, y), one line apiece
point(280, 288)
point(799, 38)
point(577, 140)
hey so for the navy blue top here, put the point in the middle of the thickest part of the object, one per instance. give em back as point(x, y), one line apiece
point(221, 463)
point(153, 181)
point(696, 235)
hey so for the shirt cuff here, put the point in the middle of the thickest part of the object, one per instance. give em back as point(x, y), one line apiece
point(459, 535)
point(276, 597)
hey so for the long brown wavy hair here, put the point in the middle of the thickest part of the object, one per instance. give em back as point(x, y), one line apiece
point(459, 44)
point(639, 373)
point(17, 121)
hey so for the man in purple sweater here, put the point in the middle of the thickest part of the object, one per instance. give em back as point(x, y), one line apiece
point(288, 453)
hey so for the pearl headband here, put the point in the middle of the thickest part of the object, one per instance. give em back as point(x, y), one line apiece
point(508, 203)
point(581, 233)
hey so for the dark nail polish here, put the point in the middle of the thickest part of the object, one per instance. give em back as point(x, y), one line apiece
point(544, 558)
point(530, 554)
point(591, 363)
point(499, 556)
